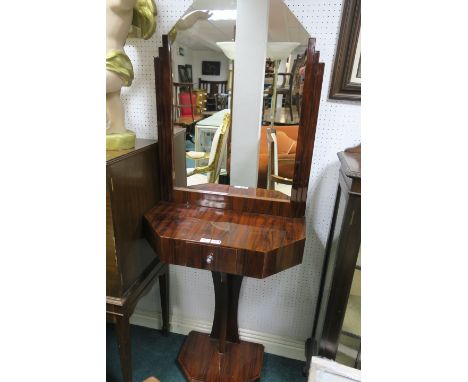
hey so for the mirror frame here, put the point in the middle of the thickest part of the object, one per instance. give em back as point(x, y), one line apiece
point(255, 200)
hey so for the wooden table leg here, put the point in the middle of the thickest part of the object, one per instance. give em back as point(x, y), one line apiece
point(227, 290)
point(164, 293)
point(123, 341)
point(221, 356)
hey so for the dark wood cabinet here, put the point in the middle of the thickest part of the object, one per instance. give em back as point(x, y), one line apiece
point(132, 267)
point(341, 254)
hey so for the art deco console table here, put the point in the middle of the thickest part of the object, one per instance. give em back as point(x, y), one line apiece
point(232, 232)
point(132, 187)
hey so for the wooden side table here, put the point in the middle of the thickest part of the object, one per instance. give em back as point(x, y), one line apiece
point(132, 267)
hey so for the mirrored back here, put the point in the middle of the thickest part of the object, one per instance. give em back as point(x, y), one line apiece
point(203, 55)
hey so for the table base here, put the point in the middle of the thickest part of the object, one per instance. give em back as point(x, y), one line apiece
point(201, 360)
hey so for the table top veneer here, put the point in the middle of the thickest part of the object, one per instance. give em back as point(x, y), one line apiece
point(243, 243)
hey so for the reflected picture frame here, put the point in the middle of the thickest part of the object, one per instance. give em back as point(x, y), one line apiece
point(346, 78)
point(188, 72)
point(211, 68)
point(182, 73)
point(185, 73)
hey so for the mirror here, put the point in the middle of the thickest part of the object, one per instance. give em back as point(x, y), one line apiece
point(203, 59)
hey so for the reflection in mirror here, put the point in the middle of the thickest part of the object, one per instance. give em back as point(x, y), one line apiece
point(202, 91)
point(282, 98)
point(203, 57)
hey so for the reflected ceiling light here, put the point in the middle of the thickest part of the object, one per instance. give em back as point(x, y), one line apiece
point(228, 48)
point(279, 50)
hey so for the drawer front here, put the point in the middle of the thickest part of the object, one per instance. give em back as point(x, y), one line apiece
point(212, 258)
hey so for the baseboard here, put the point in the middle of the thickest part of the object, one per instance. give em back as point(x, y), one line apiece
point(285, 347)
point(347, 351)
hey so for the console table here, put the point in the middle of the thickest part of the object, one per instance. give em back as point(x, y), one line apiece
point(231, 231)
point(231, 244)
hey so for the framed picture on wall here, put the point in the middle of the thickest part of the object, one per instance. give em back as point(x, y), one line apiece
point(182, 73)
point(346, 78)
point(211, 68)
point(188, 71)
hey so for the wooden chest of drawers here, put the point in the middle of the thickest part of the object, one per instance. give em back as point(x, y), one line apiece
point(132, 266)
point(131, 190)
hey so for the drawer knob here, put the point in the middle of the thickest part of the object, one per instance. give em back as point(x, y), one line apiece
point(209, 259)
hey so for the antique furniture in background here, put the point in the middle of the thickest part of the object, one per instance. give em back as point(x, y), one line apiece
point(216, 94)
point(132, 267)
point(286, 151)
point(339, 265)
point(287, 87)
point(211, 171)
point(200, 100)
point(204, 133)
point(231, 231)
point(276, 51)
point(184, 107)
point(186, 104)
point(346, 79)
point(274, 180)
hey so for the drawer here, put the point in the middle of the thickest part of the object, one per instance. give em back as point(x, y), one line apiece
point(212, 257)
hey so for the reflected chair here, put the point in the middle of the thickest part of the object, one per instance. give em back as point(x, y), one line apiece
point(212, 170)
point(217, 95)
point(180, 115)
point(274, 181)
point(289, 87)
point(297, 83)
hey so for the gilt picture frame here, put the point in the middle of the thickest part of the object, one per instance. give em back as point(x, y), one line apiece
point(346, 77)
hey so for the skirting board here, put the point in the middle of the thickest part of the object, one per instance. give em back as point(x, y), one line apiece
point(285, 347)
point(347, 351)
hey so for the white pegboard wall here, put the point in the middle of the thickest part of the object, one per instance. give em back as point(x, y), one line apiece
point(283, 304)
point(139, 99)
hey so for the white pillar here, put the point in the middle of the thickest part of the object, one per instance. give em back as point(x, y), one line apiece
point(249, 72)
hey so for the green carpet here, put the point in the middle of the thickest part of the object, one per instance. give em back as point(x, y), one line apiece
point(155, 355)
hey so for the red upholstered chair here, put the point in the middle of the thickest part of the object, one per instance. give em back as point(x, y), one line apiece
point(187, 105)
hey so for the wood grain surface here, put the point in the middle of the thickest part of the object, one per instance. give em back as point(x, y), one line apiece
point(252, 199)
point(242, 243)
point(307, 128)
point(200, 360)
point(163, 84)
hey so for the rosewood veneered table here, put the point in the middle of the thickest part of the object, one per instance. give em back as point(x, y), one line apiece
point(234, 232)
point(231, 244)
